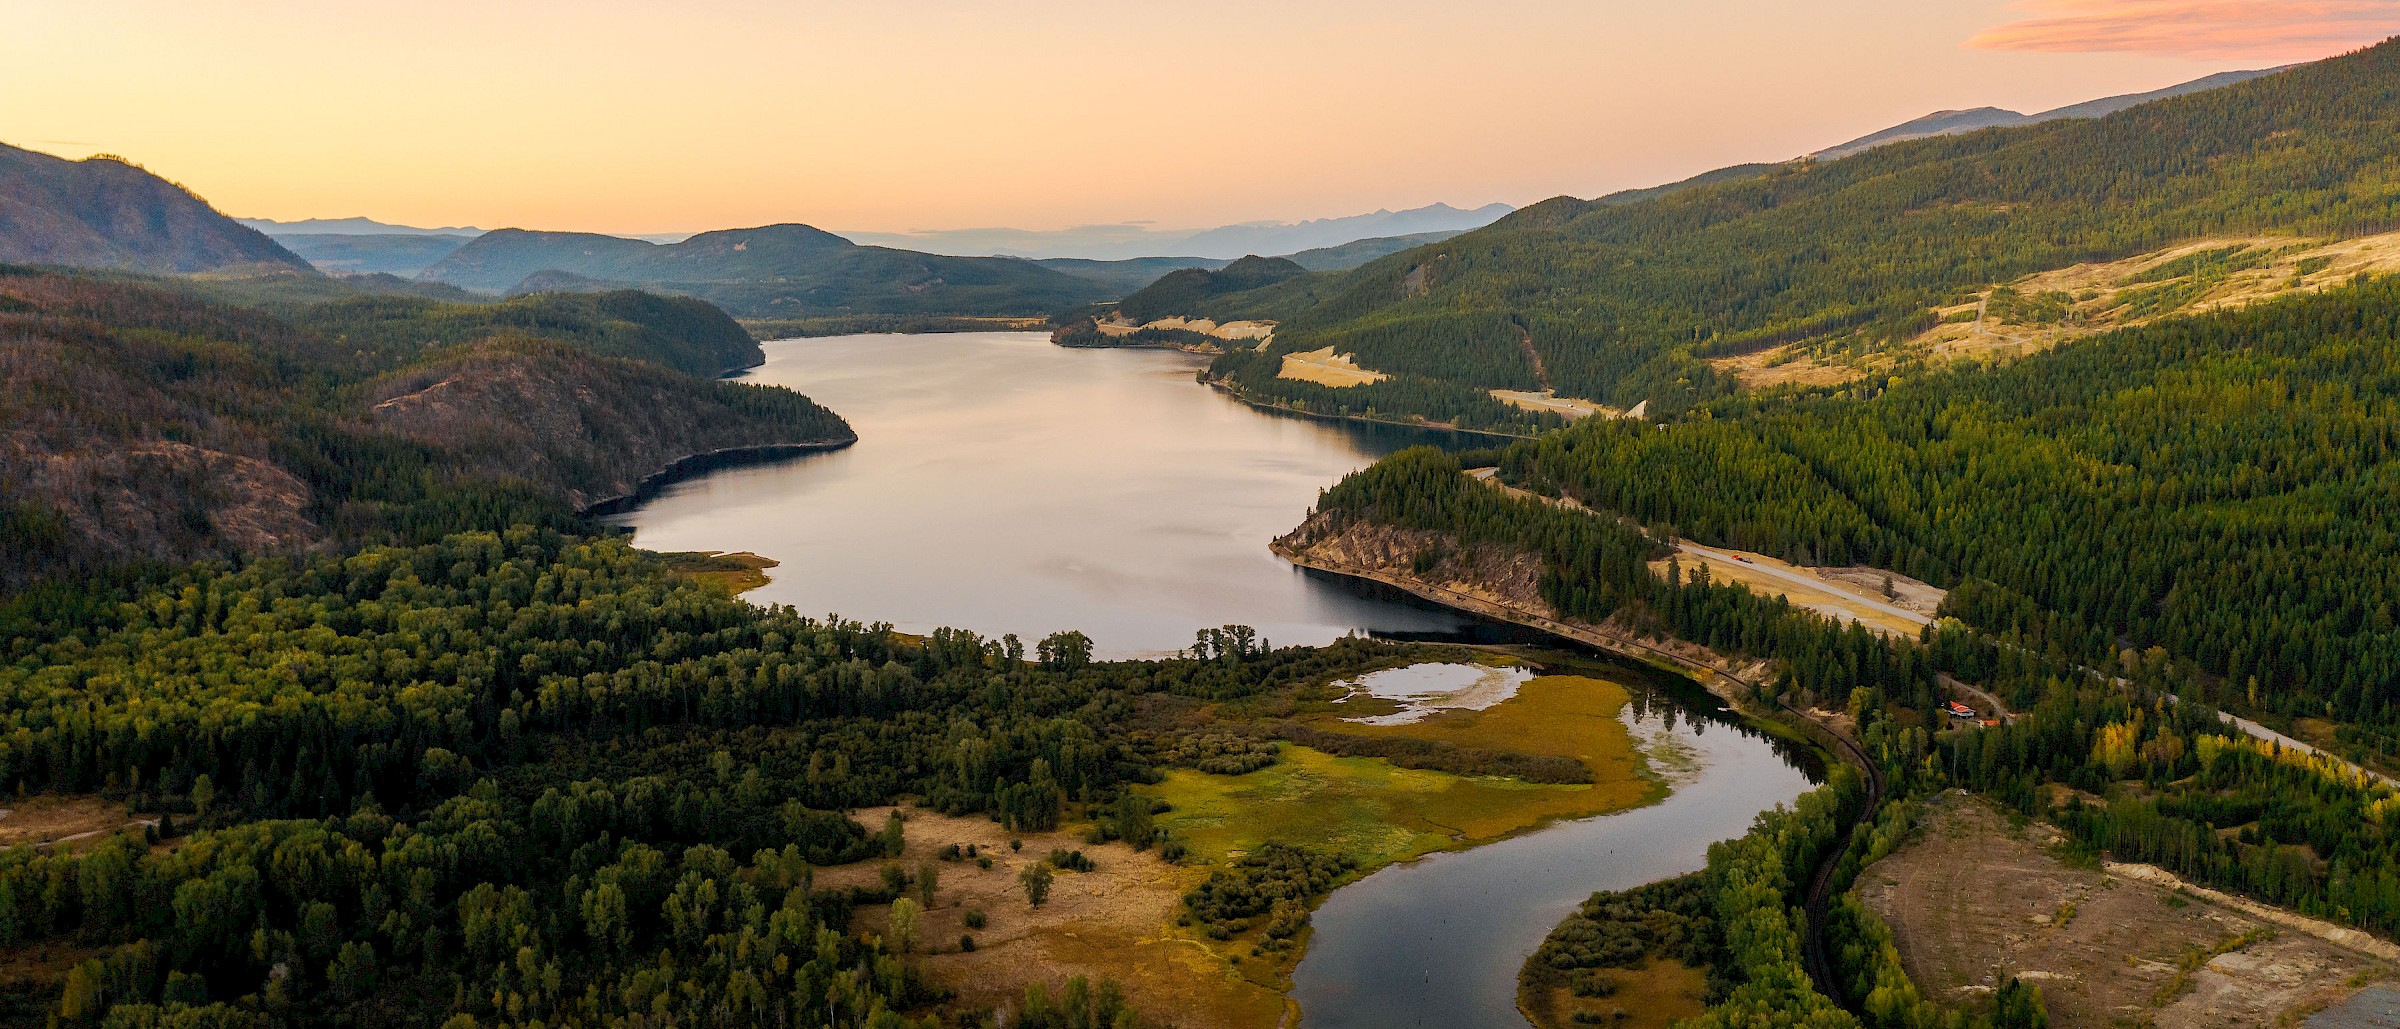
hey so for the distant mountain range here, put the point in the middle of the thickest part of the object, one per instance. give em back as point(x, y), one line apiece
point(771, 271)
point(1120, 242)
point(1949, 123)
point(103, 212)
point(349, 227)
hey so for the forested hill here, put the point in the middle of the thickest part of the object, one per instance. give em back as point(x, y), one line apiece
point(1623, 301)
point(2218, 486)
point(105, 213)
point(773, 271)
point(145, 424)
point(1187, 291)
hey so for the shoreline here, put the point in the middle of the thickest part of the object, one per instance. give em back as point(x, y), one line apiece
point(692, 465)
point(1237, 394)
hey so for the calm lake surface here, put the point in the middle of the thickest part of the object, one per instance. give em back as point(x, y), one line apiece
point(1005, 485)
point(1438, 943)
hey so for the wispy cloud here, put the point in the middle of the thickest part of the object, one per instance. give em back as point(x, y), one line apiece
point(2209, 29)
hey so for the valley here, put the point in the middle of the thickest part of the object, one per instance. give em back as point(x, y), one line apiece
point(1950, 580)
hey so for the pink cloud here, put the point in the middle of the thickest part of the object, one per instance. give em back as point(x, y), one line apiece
point(2283, 30)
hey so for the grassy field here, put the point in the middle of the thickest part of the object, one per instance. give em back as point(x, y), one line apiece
point(1325, 369)
point(1381, 813)
point(1658, 994)
point(735, 573)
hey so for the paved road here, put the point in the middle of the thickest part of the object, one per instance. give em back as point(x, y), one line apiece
point(1811, 582)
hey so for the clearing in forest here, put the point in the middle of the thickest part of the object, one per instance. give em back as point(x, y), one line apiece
point(1977, 898)
point(1325, 368)
point(1844, 594)
point(2040, 311)
point(1114, 922)
point(1548, 402)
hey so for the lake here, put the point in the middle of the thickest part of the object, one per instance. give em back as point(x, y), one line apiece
point(1005, 485)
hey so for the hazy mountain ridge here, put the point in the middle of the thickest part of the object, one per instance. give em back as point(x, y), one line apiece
point(1223, 243)
point(1944, 123)
point(105, 213)
point(772, 271)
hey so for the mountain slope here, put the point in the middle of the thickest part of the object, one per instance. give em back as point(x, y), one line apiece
point(145, 424)
point(1624, 302)
point(779, 271)
point(105, 213)
point(1946, 123)
point(404, 254)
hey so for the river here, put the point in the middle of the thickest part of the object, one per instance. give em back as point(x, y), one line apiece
point(1005, 485)
point(1438, 942)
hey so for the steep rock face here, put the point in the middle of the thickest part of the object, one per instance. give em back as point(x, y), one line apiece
point(589, 428)
point(104, 213)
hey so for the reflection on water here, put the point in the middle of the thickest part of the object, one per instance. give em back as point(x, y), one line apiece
point(1438, 943)
point(1005, 485)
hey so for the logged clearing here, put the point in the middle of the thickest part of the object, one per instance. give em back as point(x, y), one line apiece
point(1115, 922)
point(1549, 402)
point(1118, 325)
point(1974, 900)
point(1378, 812)
point(1325, 368)
point(1845, 594)
point(66, 820)
point(2043, 310)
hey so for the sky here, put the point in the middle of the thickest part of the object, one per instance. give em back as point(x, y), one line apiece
point(651, 116)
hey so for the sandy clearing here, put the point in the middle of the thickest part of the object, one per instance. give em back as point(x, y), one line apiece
point(1115, 922)
point(49, 820)
point(1549, 402)
point(1973, 901)
point(1840, 593)
point(1325, 368)
point(1236, 331)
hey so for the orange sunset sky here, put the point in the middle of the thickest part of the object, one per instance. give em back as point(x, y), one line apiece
point(651, 116)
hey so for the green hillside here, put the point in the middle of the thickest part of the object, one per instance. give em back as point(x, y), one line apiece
point(1623, 298)
point(774, 271)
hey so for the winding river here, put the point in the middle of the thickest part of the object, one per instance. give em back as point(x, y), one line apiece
point(1004, 485)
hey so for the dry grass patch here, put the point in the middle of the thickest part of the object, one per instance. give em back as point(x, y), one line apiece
point(2040, 311)
point(1975, 900)
point(1549, 402)
point(1654, 996)
point(63, 820)
point(1325, 368)
point(1845, 594)
point(1114, 922)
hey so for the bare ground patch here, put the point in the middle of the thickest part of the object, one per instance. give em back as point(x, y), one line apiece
point(64, 820)
point(1325, 368)
point(1115, 922)
point(1975, 900)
